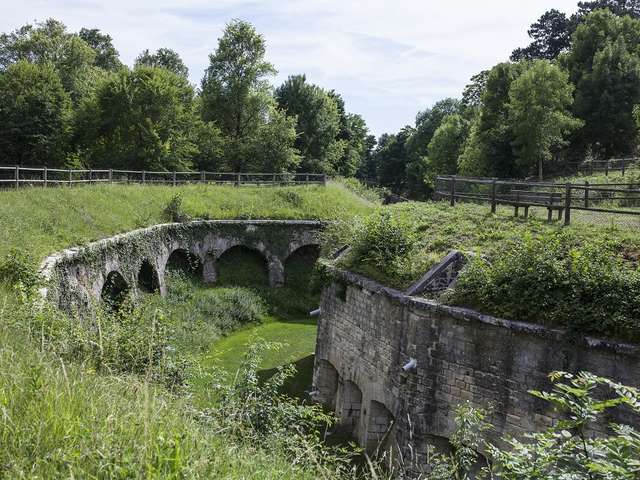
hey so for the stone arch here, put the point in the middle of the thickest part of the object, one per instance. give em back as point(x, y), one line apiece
point(326, 383)
point(114, 291)
point(242, 265)
point(299, 265)
point(184, 262)
point(350, 406)
point(379, 428)
point(148, 279)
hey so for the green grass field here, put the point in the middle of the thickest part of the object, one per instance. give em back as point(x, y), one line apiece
point(43, 221)
point(60, 418)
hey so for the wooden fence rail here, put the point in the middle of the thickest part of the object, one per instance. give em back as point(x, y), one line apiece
point(618, 198)
point(18, 176)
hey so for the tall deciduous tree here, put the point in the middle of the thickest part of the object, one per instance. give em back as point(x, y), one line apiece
point(551, 36)
point(235, 91)
point(35, 112)
point(107, 57)
point(446, 145)
point(141, 120)
point(488, 150)
point(318, 123)
point(163, 58)
point(539, 103)
point(604, 65)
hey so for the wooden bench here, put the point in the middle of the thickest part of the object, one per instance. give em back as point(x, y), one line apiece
point(528, 198)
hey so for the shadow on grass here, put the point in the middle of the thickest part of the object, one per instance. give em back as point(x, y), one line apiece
point(298, 385)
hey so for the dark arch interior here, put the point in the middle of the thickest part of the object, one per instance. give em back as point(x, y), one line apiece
point(115, 291)
point(148, 278)
point(185, 263)
point(298, 267)
point(243, 266)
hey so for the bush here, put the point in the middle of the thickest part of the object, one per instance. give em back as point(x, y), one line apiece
point(18, 268)
point(587, 289)
point(174, 211)
point(133, 340)
point(385, 243)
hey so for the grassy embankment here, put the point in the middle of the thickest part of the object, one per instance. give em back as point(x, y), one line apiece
point(71, 414)
point(584, 277)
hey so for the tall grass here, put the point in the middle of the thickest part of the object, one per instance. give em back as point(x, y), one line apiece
point(43, 221)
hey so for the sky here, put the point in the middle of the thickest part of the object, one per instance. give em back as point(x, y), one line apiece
point(388, 59)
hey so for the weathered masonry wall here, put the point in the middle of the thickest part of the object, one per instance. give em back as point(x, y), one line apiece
point(367, 333)
point(76, 277)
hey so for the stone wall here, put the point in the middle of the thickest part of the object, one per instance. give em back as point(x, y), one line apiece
point(76, 277)
point(367, 333)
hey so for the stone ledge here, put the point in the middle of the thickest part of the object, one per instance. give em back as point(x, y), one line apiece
point(469, 315)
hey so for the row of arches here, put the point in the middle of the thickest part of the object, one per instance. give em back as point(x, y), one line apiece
point(238, 265)
point(370, 422)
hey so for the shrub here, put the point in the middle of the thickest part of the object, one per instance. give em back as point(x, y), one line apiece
point(174, 212)
point(18, 268)
point(386, 242)
point(587, 289)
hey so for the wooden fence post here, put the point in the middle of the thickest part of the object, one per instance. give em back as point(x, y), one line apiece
point(110, 175)
point(567, 204)
point(174, 178)
point(586, 194)
point(44, 177)
point(238, 180)
point(494, 204)
point(324, 179)
point(623, 165)
point(17, 176)
point(453, 190)
point(90, 176)
point(203, 177)
point(606, 168)
point(144, 176)
point(70, 176)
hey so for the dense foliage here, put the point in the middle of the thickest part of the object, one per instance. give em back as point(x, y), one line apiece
point(567, 97)
point(588, 289)
point(67, 100)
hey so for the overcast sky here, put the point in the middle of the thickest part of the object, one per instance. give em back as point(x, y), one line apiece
point(388, 59)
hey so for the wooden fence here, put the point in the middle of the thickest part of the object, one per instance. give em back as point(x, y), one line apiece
point(560, 199)
point(605, 166)
point(17, 176)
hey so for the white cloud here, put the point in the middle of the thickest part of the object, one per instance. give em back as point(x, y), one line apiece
point(389, 59)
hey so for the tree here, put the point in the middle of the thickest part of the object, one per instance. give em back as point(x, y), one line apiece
point(472, 94)
point(604, 65)
point(140, 120)
point(539, 102)
point(272, 148)
point(49, 42)
point(352, 137)
point(391, 159)
point(551, 36)
point(35, 112)
point(488, 150)
point(317, 125)
point(427, 122)
point(163, 58)
point(107, 57)
point(552, 32)
point(446, 146)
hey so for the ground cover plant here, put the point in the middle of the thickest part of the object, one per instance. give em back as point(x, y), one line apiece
point(583, 277)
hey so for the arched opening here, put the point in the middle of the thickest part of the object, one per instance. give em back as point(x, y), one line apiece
point(326, 382)
point(351, 406)
point(379, 428)
point(182, 262)
point(148, 280)
point(298, 267)
point(242, 266)
point(114, 291)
